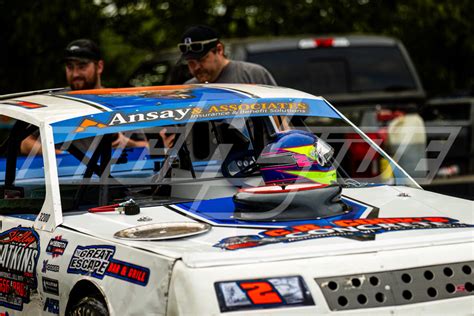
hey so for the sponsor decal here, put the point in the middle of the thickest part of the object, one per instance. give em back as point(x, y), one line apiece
point(249, 108)
point(123, 118)
point(262, 293)
point(51, 305)
point(44, 217)
point(194, 113)
point(24, 104)
point(19, 252)
point(88, 123)
point(50, 286)
point(145, 219)
point(98, 261)
point(351, 228)
point(56, 246)
point(176, 115)
point(128, 272)
point(49, 267)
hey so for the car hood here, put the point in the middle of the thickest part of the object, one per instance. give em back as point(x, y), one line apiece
point(387, 218)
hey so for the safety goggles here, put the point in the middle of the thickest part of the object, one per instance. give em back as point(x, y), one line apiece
point(194, 47)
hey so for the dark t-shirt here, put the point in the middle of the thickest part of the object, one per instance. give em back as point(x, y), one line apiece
point(242, 72)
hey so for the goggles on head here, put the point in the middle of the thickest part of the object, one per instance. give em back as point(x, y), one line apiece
point(194, 47)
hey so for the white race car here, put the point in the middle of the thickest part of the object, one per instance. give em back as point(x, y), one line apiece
point(216, 199)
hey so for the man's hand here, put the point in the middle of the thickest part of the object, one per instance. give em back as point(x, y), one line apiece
point(168, 140)
point(123, 141)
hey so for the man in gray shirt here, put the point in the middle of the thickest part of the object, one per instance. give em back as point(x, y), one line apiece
point(201, 48)
point(207, 62)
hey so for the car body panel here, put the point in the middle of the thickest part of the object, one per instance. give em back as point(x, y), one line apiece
point(201, 251)
point(47, 255)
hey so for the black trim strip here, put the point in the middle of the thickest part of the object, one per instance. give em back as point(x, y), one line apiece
point(29, 93)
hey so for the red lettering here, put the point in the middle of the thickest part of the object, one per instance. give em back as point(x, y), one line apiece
point(436, 219)
point(21, 237)
point(4, 286)
point(243, 245)
point(141, 276)
point(19, 288)
point(345, 223)
point(136, 274)
point(305, 228)
point(123, 272)
point(113, 267)
point(388, 220)
point(132, 273)
point(277, 232)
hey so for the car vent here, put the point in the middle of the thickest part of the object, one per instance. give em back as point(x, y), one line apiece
point(398, 287)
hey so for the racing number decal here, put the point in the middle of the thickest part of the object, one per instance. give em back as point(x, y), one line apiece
point(261, 292)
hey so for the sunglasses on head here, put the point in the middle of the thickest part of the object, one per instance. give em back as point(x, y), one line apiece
point(194, 47)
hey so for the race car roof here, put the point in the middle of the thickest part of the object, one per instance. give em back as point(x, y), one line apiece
point(86, 113)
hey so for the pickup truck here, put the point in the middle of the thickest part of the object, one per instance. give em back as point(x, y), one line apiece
point(445, 117)
point(370, 79)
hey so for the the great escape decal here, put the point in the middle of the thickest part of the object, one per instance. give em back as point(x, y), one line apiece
point(19, 252)
point(338, 228)
point(98, 261)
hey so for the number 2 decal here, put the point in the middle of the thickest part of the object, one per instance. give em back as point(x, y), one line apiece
point(261, 292)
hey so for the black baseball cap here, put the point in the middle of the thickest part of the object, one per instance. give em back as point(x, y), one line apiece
point(197, 41)
point(82, 49)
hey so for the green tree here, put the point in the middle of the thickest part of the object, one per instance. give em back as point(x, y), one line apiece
point(438, 34)
point(34, 35)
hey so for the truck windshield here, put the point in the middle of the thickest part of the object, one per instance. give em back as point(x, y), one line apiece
point(326, 71)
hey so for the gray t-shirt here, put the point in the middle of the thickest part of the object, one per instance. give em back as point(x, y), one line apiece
point(242, 72)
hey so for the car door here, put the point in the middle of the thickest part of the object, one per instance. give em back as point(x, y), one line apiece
point(22, 203)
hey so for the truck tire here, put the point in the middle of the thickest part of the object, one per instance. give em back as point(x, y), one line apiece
point(89, 306)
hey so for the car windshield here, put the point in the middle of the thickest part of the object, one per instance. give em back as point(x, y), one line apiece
point(214, 158)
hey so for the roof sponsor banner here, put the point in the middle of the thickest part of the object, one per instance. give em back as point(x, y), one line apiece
point(146, 116)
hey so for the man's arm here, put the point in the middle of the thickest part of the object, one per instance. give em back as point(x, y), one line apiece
point(31, 144)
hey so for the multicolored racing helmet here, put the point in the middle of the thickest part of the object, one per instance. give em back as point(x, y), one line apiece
point(296, 157)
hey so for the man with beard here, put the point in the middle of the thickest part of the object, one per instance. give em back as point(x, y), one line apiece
point(83, 64)
point(204, 53)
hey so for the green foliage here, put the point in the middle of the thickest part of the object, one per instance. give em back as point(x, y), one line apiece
point(33, 36)
point(438, 34)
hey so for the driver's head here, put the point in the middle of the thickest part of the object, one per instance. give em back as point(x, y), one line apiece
point(83, 64)
point(296, 157)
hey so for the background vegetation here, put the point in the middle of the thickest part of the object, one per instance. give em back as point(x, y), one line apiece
point(33, 34)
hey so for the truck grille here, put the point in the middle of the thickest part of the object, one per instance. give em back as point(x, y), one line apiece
point(398, 287)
